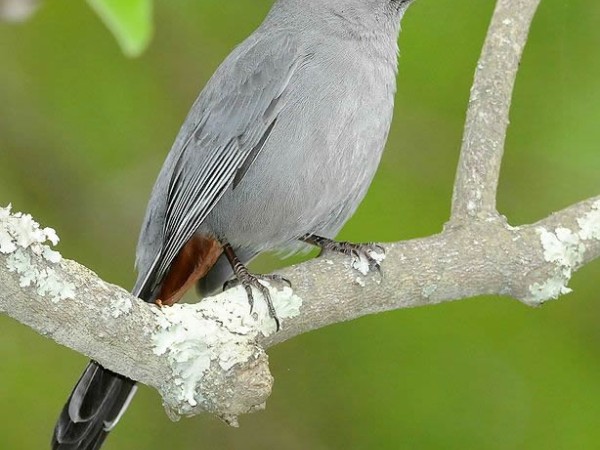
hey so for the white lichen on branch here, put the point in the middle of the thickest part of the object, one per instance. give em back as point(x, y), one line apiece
point(195, 336)
point(566, 248)
point(20, 237)
point(119, 306)
point(589, 224)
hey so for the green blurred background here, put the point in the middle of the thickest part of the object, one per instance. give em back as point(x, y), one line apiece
point(83, 133)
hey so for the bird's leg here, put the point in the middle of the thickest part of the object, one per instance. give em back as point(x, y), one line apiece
point(249, 281)
point(366, 250)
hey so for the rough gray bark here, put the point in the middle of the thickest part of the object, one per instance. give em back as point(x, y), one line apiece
point(489, 106)
point(211, 356)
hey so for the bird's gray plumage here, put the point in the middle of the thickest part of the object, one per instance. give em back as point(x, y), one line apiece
point(284, 139)
point(228, 126)
point(282, 142)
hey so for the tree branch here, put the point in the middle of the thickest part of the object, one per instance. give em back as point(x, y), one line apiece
point(210, 356)
point(487, 117)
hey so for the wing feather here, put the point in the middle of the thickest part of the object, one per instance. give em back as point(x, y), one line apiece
point(221, 137)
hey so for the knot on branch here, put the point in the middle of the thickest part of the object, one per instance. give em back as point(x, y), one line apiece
point(215, 362)
point(242, 389)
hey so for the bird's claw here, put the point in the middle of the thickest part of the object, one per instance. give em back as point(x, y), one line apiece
point(372, 253)
point(250, 281)
point(368, 251)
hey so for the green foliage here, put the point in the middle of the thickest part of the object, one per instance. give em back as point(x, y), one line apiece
point(129, 20)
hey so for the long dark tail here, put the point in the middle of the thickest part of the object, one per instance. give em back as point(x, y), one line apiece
point(93, 409)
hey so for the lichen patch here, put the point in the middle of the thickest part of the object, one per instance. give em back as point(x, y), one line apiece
point(566, 249)
point(22, 238)
point(194, 336)
point(589, 225)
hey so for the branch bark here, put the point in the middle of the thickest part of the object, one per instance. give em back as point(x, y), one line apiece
point(211, 356)
point(487, 117)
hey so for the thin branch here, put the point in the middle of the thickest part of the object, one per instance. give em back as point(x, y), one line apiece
point(487, 117)
point(210, 356)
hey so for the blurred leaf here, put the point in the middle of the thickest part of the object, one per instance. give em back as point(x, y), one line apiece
point(17, 10)
point(129, 20)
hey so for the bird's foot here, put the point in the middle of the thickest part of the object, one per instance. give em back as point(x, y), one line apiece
point(249, 281)
point(372, 254)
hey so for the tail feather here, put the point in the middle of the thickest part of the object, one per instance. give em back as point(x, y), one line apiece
point(93, 409)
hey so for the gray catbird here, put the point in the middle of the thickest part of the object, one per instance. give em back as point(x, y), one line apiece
point(277, 151)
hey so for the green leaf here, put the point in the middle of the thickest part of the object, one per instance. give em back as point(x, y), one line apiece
point(130, 21)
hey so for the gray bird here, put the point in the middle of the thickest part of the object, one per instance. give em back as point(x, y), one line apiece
point(277, 152)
